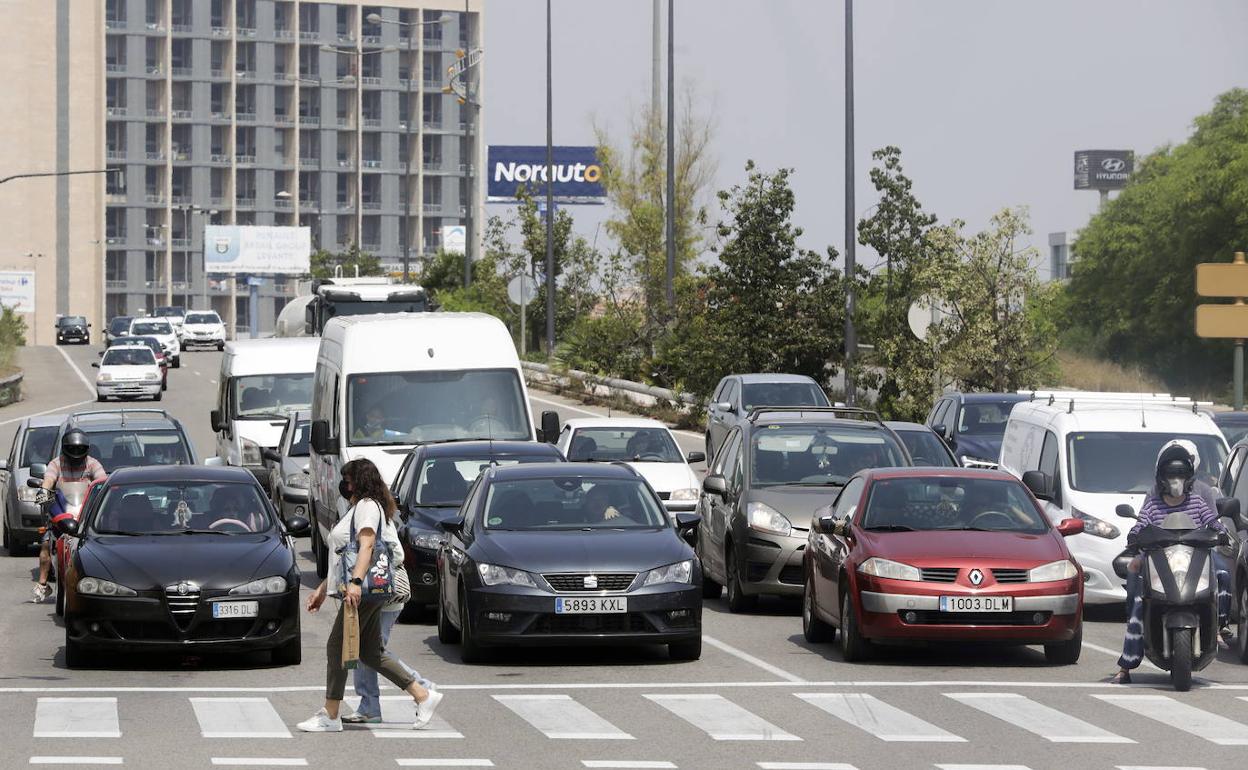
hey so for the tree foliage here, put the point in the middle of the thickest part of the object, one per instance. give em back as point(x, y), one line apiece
point(324, 263)
point(1132, 291)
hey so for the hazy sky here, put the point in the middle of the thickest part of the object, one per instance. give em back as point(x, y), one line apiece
point(988, 99)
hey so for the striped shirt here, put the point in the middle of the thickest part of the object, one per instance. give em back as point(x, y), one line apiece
point(1155, 511)
point(91, 470)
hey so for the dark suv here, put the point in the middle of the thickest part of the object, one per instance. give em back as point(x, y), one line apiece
point(123, 438)
point(973, 424)
point(72, 328)
point(775, 468)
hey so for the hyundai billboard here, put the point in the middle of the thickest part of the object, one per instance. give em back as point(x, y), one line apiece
point(1103, 169)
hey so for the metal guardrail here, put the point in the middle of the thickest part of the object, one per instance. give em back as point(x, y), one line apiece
point(606, 386)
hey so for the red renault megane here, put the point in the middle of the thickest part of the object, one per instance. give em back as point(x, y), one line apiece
point(941, 554)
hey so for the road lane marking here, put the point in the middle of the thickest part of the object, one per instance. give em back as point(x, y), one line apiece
point(259, 762)
point(1181, 716)
point(886, 722)
point(562, 718)
point(748, 658)
point(982, 767)
point(444, 762)
point(1115, 653)
point(805, 766)
point(398, 712)
point(82, 377)
point(625, 764)
point(238, 718)
point(75, 760)
point(1156, 767)
point(720, 718)
point(54, 409)
point(76, 718)
point(1049, 723)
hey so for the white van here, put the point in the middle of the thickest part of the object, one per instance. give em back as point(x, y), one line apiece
point(261, 382)
point(387, 382)
point(1083, 454)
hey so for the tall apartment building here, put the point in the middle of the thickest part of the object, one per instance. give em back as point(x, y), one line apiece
point(265, 112)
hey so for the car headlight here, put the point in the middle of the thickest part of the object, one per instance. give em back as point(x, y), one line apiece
point(297, 480)
point(764, 518)
point(269, 585)
point(151, 376)
point(684, 494)
point(978, 462)
point(680, 572)
point(1054, 570)
point(97, 587)
point(251, 452)
point(104, 377)
point(890, 570)
point(427, 539)
point(27, 495)
point(493, 575)
point(1094, 526)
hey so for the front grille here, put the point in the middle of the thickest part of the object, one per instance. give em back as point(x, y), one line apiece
point(935, 618)
point(618, 623)
point(182, 605)
point(939, 574)
point(575, 581)
point(1010, 575)
point(793, 574)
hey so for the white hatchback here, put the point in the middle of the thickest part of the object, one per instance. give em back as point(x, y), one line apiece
point(128, 371)
point(646, 445)
point(202, 327)
point(162, 330)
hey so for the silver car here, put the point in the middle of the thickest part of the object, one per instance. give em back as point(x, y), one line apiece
point(287, 466)
point(33, 442)
point(738, 394)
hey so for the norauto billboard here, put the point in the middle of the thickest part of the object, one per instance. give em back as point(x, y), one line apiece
point(577, 174)
point(1103, 169)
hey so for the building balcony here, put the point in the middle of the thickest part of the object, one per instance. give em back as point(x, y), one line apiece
point(155, 199)
point(220, 31)
point(219, 116)
point(371, 40)
point(155, 26)
point(216, 200)
point(346, 206)
point(283, 204)
point(154, 70)
point(370, 80)
point(115, 198)
point(115, 154)
point(157, 284)
point(371, 165)
point(246, 74)
point(434, 124)
point(370, 246)
point(284, 120)
point(346, 163)
point(431, 42)
point(246, 31)
point(182, 115)
point(431, 208)
point(115, 24)
point(216, 73)
point(284, 34)
point(154, 155)
point(219, 158)
point(372, 122)
point(310, 120)
point(156, 114)
point(116, 112)
point(346, 38)
point(245, 203)
point(245, 117)
point(343, 122)
point(115, 66)
point(432, 165)
point(309, 34)
point(181, 243)
point(114, 237)
point(309, 162)
point(180, 200)
point(243, 159)
point(182, 29)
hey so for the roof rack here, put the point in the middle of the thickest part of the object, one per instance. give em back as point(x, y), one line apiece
point(1110, 400)
point(123, 413)
point(846, 412)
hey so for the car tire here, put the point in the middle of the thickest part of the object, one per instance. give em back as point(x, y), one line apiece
point(412, 612)
point(738, 601)
point(687, 650)
point(854, 646)
point(1181, 659)
point(158, 396)
point(814, 628)
point(289, 654)
point(319, 552)
point(8, 542)
point(470, 650)
point(101, 398)
point(220, 346)
point(60, 598)
point(447, 632)
point(177, 362)
point(710, 589)
point(1065, 653)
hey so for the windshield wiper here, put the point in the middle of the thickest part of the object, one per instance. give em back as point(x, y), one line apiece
point(262, 416)
point(192, 532)
point(117, 532)
point(890, 528)
point(814, 483)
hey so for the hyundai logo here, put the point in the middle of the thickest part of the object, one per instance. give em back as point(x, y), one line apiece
point(976, 577)
point(591, 581)
point(1113, 165)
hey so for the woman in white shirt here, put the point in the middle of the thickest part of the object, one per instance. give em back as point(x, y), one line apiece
point(371, 503)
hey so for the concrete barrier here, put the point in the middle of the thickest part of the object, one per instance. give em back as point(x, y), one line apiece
point(11, 389)
point(576, 381)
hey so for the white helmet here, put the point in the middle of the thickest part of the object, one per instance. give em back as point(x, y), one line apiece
point(1190, 446)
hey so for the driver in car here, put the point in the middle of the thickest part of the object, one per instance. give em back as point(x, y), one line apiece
point(374, 426)
point(235, 508)
point(599, 503)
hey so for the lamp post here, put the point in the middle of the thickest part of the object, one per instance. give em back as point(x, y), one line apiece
point(550, 204)
point(375, 18)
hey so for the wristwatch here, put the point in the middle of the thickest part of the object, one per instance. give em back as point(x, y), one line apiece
point(357, 581)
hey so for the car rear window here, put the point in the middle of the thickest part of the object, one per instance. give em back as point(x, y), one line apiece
point(152, 327)
point(783, 394)
point(203, 318)
point(128, 448)
point(819, 455)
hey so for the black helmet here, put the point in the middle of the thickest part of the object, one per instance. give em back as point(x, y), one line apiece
point(1175, 462)
point(74, 446)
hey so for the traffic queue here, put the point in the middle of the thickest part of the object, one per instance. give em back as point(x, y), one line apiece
point(995, 521)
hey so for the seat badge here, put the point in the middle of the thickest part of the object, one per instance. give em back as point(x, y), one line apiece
point(591, 581)
point(976, 577)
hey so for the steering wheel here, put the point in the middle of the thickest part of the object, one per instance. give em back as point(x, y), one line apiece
point(235, 524)
point(486, 422)
point(649, 456)
point(1009, 521)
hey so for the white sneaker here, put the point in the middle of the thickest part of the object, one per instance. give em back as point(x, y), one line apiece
point(425, 709)
point(350, 716)
point(41, 592)
point(321, 723)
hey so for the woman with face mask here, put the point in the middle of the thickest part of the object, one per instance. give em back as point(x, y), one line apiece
point(1172, 493)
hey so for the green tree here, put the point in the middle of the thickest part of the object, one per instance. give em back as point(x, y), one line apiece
point(1132, 292)
point(324, 263)
point(12, 336)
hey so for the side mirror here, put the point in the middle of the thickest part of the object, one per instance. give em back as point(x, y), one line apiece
point(95, 364)
point(36, 474)
point(65, 525)
point(297, 526)
point(1068, 527)
point(214, 461)
point(825, 525)
point(687, 521)
point(696, 457)
point(715, 484)
point(320, 439)
point(550, 427)
point(218, 424)
point(453, 526)
point(941, 430)
point(1125, 511)
point(841, 528)
point(722, 406)
point(1120, 565)
point(1228, 508)
point(270, 454)
point(100, 354)
point(1039, 484)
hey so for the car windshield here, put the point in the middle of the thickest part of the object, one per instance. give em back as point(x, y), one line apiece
point(299, 441)
point(572, 503)
point(120, 325)
point(647, 445)
point(365, 307)
point(1234, 433)
point(72, 320)
point(443, 482)
point(151, 327)
point(819, 455)
point(1125, 462)
point(782, 394)
point(935, 503)
point(984, 418)
point(40, 443)
point(203, 318)
point(420, 407)
point(182, 508)
point(262, 396)
point(169, 311)
point(926, 448)
point(131, 356)
point(127, 448)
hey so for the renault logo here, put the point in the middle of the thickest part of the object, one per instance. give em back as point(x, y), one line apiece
point(591, 581)
point(976, 577)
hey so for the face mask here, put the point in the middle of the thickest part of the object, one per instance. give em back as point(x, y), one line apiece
point(344, 489)
point(1175, 487)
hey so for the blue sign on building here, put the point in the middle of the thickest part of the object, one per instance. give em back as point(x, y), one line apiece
point(577, 173)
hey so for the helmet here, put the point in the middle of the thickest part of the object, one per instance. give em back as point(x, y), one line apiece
point(74, 446)
point(1175, 461)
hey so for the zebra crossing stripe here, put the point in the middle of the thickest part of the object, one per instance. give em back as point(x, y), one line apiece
point(1179, 715)
point(398, 712)
point(1048, 723)
point(626, 764)
point(982, 767)
point(259, 762)
point(238, 718)
point(805, 766)
point(886, 722)
point(560, 717)
point(93, 761)
point(76, 718)
point(721, 719)
point(420, 762)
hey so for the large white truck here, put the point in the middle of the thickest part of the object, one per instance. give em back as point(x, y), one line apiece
point(306, 316)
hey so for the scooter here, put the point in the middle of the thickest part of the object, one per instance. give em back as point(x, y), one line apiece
point(64, 503)
point(1180, 593)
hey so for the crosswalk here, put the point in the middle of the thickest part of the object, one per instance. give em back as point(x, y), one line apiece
point(819, 717)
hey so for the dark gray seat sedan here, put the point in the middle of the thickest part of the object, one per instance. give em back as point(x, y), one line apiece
point(34, 442)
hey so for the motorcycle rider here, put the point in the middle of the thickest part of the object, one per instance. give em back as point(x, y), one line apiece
point(73, 465)
point(1173, 493)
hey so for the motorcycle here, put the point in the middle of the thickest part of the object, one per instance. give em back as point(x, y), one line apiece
point(62, 504)
point(1180, 592)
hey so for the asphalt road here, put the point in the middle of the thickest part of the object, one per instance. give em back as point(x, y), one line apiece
point(760, 697)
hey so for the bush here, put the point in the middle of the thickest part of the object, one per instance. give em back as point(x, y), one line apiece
point(609, 345)
point(12, 336)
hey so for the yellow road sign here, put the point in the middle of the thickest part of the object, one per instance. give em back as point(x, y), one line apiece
point(1222, 279)
point(1222, 321)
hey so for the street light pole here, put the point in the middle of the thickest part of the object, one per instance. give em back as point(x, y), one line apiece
point(851, 236)
point(671, 158)
point(550, 203)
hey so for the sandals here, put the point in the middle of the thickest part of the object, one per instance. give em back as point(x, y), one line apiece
point(1122, 677)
